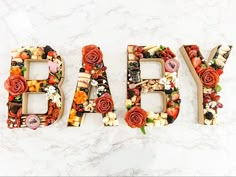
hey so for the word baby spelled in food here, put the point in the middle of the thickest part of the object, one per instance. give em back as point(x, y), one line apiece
point(136, 117)
point(93, 74)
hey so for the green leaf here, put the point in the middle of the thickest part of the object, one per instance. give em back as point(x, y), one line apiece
point(18, 98)
point(143, 130)
point(128, 106)
point(214, 61)
point(23, 69)
point(150, 120)
point(218, 88)
point(162, 47)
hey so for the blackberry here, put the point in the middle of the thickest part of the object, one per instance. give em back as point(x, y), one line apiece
point(146, 55)
point(208, 116)
point(79, 114)
point(82, 70)
point(168, 91)
point(14, 109)
point(44, 56)
point(136, 64)
point(47, 49)
point(41, 89)
point(178, 101)
point(170, 119)
point(131, 93)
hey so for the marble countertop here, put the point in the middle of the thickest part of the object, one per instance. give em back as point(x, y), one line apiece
point(183, 148)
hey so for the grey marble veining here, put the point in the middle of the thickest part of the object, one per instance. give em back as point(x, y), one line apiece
point(184, 148)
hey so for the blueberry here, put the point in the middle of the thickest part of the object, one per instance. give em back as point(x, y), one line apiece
point(41, 90)
point(178, 101)
point(136, 64)
point(47, 49)
point(99, 65)
point(208, 116)
point(82, 70)
point(170, 119)
point(216, 55)
point(79, 114)
point(81, 105)
point(146, 55)
point(20, 64)
point(154, 56)
point(131, 93)
point(168, 91)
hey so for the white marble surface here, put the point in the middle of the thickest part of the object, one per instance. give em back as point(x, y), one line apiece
point(184, 148)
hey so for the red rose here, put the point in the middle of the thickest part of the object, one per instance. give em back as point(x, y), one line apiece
point(91, 55)
point(104, 104)
point(136, 117)
point(209, 77)
point(16, 85)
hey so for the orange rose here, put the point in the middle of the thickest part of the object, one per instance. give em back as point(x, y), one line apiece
point(16, 85)
point(16, 71)
point(80, 97)
point(104, 104)
point(92, 55)
point(209, 77)
point(136, 117)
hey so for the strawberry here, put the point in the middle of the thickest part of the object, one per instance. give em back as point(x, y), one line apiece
point(104, 68)
point(173, 112)
point(187, 49)
point(170, 103)
point(140, 49)
point(136, 92)
point(213, 94)
point(173, 104)
point(174, 96)
point(52, 80)
point(172, 84)
point(220, 71)
point(194, 47)
point(138, 54)
point(207, 99)
point(198, 69)
point(51, 53)
point(219, 105)
point(24, 55)
point(88, 67)
point(216, 98)
point(11, 98)
point(95, 75)
point(196, 61)
point(192, 53)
